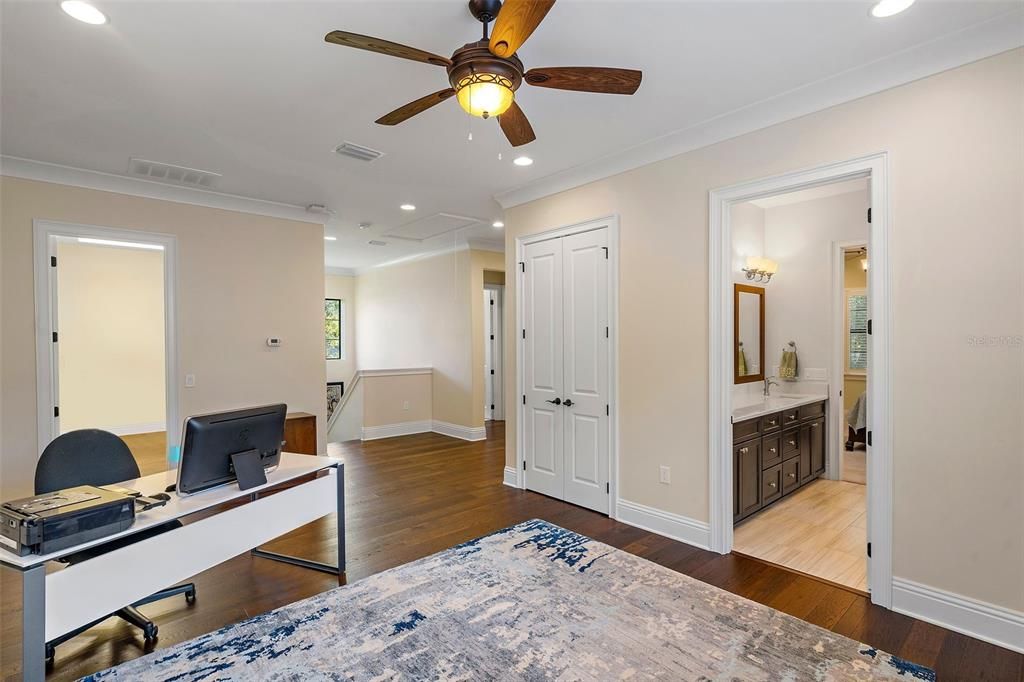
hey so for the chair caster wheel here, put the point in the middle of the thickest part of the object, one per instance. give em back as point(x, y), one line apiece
point(190, 597)
point(150, 632)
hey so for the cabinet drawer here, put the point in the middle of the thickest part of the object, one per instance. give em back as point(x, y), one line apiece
point(747, 429)
point(790, 475)
point(790, 443)
point(790, 417)
point(811, 411)
point(771, 484)
point(771, 451)
point(771, 422)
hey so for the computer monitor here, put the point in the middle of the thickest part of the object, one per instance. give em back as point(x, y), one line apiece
point(210, 440)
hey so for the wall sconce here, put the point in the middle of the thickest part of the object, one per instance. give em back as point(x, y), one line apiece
point(760, 269)
point(864, 264)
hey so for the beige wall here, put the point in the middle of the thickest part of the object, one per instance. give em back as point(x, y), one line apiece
point(385, 399)
point(241, 278)
point(958, 135)
point(426, 313)
point(344, 288)
point(110, 317)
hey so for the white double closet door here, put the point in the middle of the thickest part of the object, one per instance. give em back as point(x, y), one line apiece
point(566, 408)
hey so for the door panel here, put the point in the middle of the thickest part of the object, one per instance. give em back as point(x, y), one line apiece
point(543, 362)
point(585, 309)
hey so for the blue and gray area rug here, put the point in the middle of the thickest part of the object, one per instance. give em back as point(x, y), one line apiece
point(533, 601)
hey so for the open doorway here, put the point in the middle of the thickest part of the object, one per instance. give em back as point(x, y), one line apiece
point(494, 370)
point(105, 337)
point(780, 491)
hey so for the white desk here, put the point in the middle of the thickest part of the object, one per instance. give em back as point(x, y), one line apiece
point(59, 602)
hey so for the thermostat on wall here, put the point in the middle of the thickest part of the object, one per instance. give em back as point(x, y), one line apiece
point(273, 341)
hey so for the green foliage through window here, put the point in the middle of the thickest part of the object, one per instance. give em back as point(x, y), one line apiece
point(334, 328)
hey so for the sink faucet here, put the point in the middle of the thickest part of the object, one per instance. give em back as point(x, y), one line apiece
point(768, 383)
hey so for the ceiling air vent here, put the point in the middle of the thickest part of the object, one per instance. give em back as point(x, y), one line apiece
point(357, 151)
point(166, 172)
point(377, 242)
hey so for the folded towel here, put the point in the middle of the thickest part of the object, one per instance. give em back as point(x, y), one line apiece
point(741, 362)
point(857, 417)
point(788, 365)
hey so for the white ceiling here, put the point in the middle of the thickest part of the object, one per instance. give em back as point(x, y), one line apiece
point(251, 91)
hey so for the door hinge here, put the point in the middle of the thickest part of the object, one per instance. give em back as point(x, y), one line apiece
point(870, 326)
point(53, 261)
point(492, 337)
point(56, 411)
point(55, 337)
point(522, 266)
point(524, 465)
point(492, 371)
point(606, 332)
point(524, 399)
point(607, 410)
point(607, 488)
point(492, 301)
point(840, 393)
point(869, 438)
point(605, 252)
point(492, 406)
point(524, 333)
point(869, 550)
point(869, 215)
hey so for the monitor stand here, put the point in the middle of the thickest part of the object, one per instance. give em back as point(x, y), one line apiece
point(248, 468)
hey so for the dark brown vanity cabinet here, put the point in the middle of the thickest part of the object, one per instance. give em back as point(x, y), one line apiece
point(775, 454)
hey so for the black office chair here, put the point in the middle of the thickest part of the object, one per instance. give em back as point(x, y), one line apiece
point(94, 457)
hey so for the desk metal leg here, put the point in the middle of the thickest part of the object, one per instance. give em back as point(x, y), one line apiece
point(338, 569)
point(33, 628)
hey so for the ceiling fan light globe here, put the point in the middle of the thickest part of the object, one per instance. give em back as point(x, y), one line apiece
point(485, 98)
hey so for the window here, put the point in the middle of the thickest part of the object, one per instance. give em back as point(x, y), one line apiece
point(334, 328)
point(856, 331)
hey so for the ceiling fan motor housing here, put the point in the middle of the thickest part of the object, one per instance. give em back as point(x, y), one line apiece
point(476, 58)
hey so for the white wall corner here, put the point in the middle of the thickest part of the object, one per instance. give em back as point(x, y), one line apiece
point(133, 429)
point(335, 270)
point(392, 430)
point(681, 528)
point(472, 433)
point(511, 478)
point(987, 622)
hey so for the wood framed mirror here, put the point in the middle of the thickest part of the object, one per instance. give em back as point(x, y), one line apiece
point(748, 333)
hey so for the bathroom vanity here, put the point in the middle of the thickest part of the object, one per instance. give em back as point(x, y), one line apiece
point(778, 446)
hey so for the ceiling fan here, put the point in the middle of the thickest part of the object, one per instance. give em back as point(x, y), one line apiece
point(484, 75)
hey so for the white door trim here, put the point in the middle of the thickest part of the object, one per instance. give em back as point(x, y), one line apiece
point(833, 466)
point(44, 234)
point(498, 352)
point(880, 492)
point(612, 225)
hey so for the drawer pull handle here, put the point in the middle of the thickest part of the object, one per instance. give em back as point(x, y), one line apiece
point(744, 451)
point(771, 423)
point(814, 426)
point(791, 475)
point(773, 484)
point(792, 442)
point(772, 450)
point(791, 417)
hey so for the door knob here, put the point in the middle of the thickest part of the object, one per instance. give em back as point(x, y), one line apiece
point(568, 402)
point(556, 401)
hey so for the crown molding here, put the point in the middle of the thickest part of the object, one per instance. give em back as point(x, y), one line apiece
point(341, 272)
point(987, 39)
point(29, 169)
point(495, 245)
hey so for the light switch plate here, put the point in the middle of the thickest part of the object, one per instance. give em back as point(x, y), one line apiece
point(190, 380)
point(665, 475)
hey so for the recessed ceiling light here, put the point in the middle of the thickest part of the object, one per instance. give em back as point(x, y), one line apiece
point(407, 207)
point(83, 11)
point(497, 223)
point(363, 226)
point(887, 8)
point(328, 238)
point(523, 161)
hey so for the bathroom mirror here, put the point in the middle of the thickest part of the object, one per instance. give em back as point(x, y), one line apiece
point(748, 333)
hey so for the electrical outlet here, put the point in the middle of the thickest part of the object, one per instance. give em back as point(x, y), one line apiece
point(190, 380)
point(665, 475)
point(405, 405)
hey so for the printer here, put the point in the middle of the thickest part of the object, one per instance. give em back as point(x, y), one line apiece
point(63, 518)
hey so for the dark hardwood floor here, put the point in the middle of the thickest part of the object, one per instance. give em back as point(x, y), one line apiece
point(412, 496)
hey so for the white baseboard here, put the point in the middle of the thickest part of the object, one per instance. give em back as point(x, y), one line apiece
point(392, 430)
point(988, 622)
point(682, 528)
point(459, 431)
point(132, 429)
point(510, 478)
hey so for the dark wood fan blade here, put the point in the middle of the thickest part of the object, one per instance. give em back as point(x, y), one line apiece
point(586, 79)
point(412, 108)
point(516, 127)
point(385, 47)
point(516, 20)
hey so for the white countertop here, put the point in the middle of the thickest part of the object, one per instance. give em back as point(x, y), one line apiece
point(776, 403)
